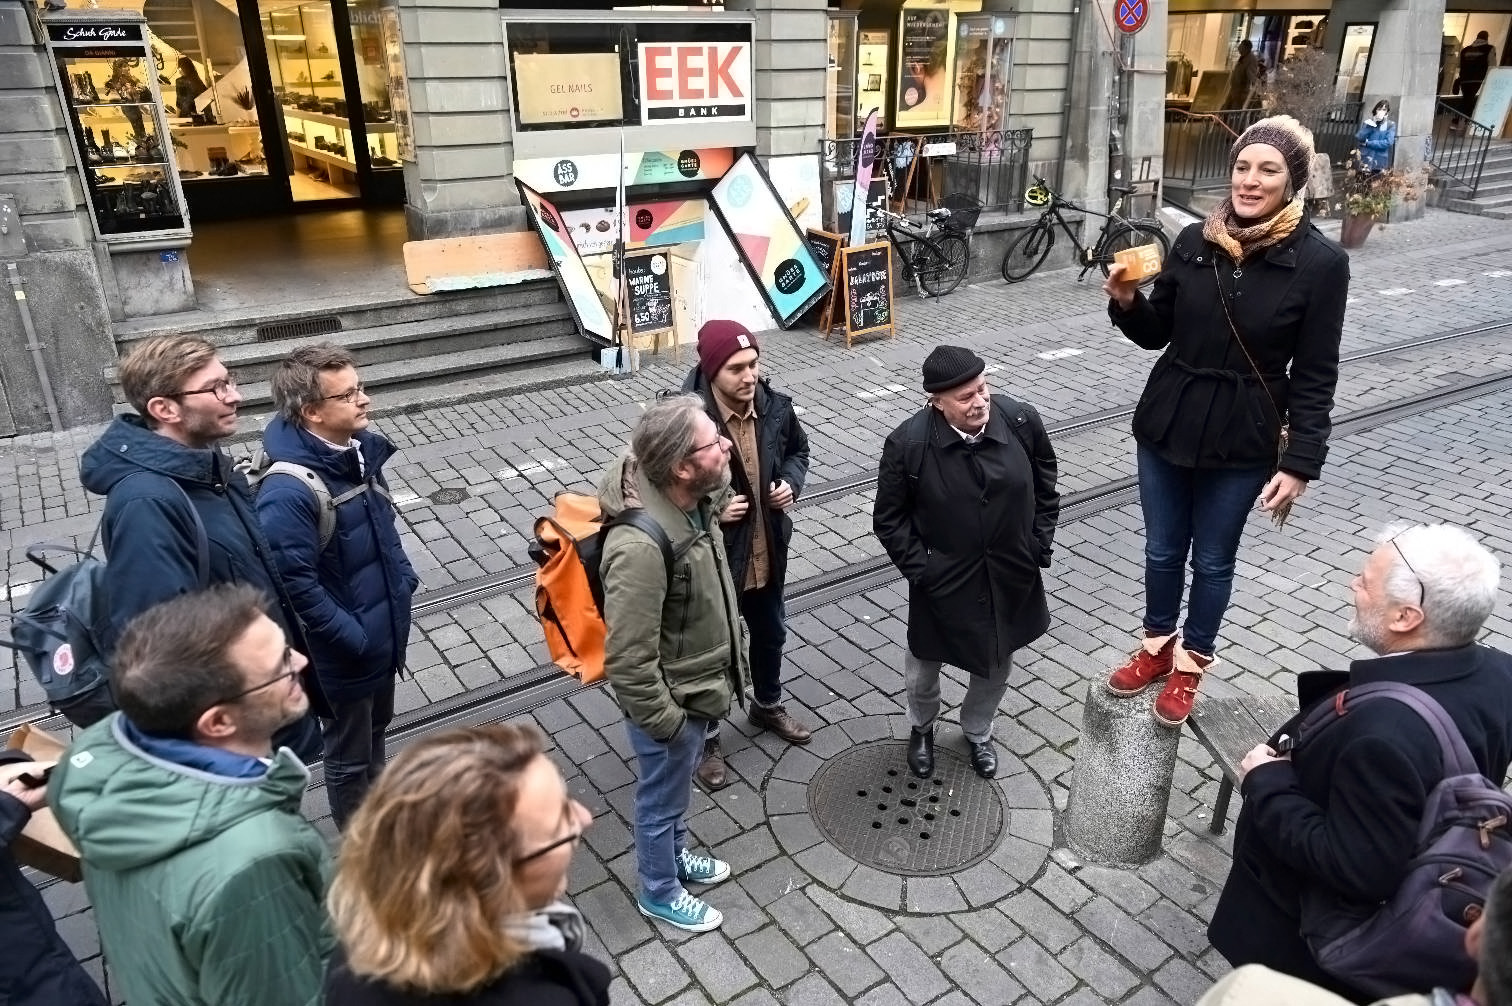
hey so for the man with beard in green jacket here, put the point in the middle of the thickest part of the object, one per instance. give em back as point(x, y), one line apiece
point(206, 881)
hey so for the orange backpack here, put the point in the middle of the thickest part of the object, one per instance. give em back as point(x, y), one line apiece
point(569, 544)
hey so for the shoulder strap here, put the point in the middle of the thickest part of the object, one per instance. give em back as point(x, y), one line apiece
point(201, 539)
point(1456, 755)
point(643, 522)
point(1018, 420)
point(325, 504)
point(914, 440)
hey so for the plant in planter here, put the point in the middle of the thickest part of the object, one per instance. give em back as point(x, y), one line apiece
point(1367, 196)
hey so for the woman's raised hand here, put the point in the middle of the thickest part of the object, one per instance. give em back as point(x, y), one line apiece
point(1120, 289)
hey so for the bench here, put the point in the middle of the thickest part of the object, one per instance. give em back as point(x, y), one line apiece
point(1229, 723)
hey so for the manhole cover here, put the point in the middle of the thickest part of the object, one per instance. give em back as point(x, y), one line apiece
point(871, 808)
point(448, 496)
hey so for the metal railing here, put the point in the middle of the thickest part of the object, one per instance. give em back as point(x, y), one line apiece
point(1459, 148)
point(923, 168)
point(1197, 144)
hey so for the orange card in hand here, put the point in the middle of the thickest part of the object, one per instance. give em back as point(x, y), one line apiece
point(1139, 263)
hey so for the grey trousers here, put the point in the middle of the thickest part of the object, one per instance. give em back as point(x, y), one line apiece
point(922, 678)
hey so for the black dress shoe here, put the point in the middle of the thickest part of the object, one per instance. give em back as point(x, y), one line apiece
point(984, 758)
point(921, 753)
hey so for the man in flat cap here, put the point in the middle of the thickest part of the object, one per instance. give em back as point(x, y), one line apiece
point(966, 508)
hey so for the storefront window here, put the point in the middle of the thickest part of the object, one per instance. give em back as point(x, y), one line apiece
point(1460, 30)
point(982, 68)
point(872, 77)
point(372, 83)
point(840, 77)
point(1354, 62)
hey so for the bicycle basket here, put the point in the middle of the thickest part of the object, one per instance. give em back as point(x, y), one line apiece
point(1037, 195)
point(964, 210)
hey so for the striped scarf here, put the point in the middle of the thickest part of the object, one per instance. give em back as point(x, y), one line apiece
point(1225, 229)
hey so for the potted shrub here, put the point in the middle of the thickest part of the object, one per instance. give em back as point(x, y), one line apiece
point(1367, 196)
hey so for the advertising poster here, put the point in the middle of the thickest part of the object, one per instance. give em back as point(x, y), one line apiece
point(587, 309)
point(924, 66)
point(867, 274)
point(771, 245)
point(796, 179)
point(598, 171)
point(866, 159)
point(664, 222)
point(555, 87)
point(695, 80)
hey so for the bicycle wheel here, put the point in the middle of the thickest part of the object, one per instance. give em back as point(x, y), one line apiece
point(1132, 236)
point(940, 269)
point(1026, 253)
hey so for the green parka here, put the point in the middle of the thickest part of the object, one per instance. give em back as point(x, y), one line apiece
point(671, 650)
point(208, 890)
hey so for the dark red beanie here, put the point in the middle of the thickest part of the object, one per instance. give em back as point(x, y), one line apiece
point(718, 341)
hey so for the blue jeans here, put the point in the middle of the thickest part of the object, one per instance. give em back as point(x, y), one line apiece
point(354, 749)
point(1198, 512)
point(663, 789)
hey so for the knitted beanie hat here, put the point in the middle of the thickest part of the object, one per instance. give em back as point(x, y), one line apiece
point(1294, 140)
point(949, 366)
point(718, 341)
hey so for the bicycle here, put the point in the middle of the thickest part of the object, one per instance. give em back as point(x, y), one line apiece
point(936, 254)
point(1028, 251)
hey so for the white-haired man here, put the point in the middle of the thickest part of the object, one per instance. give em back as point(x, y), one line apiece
point(1337, 821)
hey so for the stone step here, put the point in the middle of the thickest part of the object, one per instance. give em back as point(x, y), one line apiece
point(239, 326)
point(409, 340)
point(1497, 207)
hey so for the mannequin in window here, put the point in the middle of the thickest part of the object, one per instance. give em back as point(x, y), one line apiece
point(1376, 137)
point(189, 87)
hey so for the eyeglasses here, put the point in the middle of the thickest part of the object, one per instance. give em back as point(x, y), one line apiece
point(1422, 590)
point(571, 839)
point(704, 447)
point(288, 672)
point(221, 389)
point(350, 397)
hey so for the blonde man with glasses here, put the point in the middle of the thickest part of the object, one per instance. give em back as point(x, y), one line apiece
point(1333, 824)
point(347, 573)
point(178, 515)
point(206, 880)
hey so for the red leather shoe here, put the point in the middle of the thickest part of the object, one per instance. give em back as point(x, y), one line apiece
point(1174, 703)
point(1150, 663)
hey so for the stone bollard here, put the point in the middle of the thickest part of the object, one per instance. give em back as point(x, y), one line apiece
point(1121, 784)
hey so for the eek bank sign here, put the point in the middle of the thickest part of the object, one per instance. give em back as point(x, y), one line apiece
point(682, 81)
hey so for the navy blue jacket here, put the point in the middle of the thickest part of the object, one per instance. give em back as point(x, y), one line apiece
point(37, 968)
point(149, 535)
point(353, 597)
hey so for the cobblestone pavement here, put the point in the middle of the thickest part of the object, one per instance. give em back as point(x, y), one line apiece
point(804, 923)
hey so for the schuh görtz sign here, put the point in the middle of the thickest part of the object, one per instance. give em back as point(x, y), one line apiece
point(695, 80)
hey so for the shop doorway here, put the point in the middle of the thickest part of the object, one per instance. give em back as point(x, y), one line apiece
point(275, 106)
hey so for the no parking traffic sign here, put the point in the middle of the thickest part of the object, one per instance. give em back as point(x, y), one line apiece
point(1131, 15)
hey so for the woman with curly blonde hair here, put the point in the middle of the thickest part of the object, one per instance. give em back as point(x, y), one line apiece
point(451, 876)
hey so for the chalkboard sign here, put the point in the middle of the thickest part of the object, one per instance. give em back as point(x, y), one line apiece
point(868, 289)
point(826, 247)
point(648, 283)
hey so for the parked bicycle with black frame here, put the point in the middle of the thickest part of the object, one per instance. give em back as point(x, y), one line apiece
point(1029, 250)
point(935, 255)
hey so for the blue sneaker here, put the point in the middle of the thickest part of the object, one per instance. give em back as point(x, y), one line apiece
point(685, 912)
point(693, 869)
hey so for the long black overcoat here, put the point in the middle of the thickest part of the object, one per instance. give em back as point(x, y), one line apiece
point(970, 531)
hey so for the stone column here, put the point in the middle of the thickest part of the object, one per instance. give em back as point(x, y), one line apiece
point(456, 69)
point(792, 53)
point(1093, 62)
point(49, 239)
point(1121, 785)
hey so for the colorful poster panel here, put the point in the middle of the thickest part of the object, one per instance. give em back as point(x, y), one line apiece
point(587, 309)
point(600, 171)
point(666, 222)
point(790, 278)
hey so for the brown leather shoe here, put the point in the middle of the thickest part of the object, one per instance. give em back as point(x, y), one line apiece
point(712, 774)
point(778, 721)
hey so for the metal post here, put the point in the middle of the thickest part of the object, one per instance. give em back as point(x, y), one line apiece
point(36, 347)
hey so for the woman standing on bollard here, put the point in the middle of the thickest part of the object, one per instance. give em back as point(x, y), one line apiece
point(1249, 310)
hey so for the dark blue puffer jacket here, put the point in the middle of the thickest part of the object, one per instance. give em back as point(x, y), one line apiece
point(353, 597)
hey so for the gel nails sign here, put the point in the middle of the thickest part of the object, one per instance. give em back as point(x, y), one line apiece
point(94, 34)
point(695, 80)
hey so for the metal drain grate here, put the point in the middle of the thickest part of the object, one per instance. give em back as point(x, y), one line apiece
point(871, 808)
point(448, 496)
point(326, 324)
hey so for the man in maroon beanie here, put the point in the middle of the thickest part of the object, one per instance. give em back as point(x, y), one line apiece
point(767, 470)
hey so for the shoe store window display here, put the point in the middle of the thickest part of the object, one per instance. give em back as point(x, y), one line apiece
point(966, 508)
point(1247, 314)
point(769, 460)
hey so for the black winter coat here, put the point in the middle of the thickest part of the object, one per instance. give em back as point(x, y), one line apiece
point(149, 534)
point(782, 453)
point(354, 595)
point(1339, 822)
point(1203, 405)
point(971, 550)
point(543, 978)
point(36, 968)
